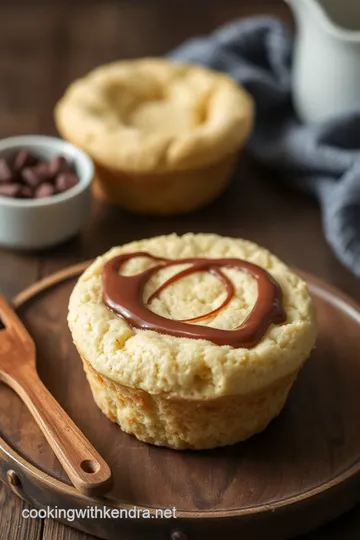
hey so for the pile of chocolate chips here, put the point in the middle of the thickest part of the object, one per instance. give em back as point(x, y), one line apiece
point(26, 176)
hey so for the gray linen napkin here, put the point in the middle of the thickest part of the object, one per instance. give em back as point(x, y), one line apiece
point(324, 158)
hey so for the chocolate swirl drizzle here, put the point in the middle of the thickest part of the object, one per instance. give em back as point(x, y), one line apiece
point(124, 295)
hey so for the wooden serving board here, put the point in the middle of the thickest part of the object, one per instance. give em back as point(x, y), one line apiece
point(303, 470)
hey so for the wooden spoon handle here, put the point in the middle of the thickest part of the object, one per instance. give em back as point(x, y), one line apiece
point(87, 470)
point(14, 326)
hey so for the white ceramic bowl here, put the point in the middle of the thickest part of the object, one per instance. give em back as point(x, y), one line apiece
point(40, 223)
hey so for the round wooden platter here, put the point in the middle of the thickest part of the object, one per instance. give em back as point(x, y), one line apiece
point(303, 470)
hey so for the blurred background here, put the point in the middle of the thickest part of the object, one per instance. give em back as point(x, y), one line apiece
point(45, 45)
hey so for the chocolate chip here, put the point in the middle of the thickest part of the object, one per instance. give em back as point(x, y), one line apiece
point(26, 176)
point(66, 181)
point(30, 177)
point(6, 174)
point(24, 159)
point(26, 192)
point(34, 176)
point(10, 190)
point(43, 169)
point(45, 190)
point(57, 165)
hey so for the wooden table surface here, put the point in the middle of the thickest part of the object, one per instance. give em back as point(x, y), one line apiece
point(44, 45)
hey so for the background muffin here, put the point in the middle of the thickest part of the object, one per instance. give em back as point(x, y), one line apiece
point(191, 393)
point(164, 136)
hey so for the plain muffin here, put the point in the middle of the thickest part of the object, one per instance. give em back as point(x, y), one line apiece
point(164, 136)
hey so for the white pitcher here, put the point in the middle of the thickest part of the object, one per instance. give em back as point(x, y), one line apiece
point(326, 76)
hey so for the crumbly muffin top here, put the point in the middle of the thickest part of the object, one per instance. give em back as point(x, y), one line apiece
point(152, 114)
point(183, 367)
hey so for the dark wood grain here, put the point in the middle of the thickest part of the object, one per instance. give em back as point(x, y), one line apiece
point(43, 46)
point(12, 525)
point(54, 529)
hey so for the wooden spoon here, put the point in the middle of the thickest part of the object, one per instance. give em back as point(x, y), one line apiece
point(87, 470)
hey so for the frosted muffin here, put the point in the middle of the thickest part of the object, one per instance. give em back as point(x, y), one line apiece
point(164, 137)
point(191, 341)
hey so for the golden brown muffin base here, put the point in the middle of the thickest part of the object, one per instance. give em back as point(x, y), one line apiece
point(185, 424)
point(164, 193)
